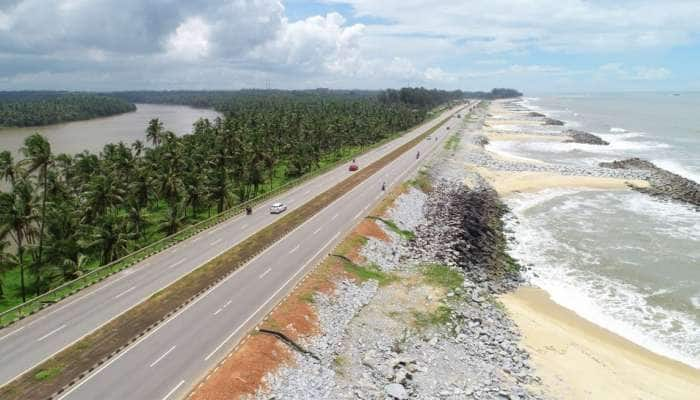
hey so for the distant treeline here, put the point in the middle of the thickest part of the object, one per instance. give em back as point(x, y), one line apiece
point(18, 109)
point(227, 100)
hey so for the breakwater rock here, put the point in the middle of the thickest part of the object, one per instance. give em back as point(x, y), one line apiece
point(465, 229)
point(584, 137)
point(535, 114)
point(663, 183)
point(552, 121)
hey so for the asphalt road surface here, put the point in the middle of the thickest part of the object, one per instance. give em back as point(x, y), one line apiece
point(29, 342)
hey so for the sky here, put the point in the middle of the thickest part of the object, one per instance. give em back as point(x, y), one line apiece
point(537, 46)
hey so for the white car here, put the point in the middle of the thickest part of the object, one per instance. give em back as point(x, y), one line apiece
point(277, 208)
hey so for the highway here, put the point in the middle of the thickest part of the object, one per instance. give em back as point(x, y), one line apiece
point(168, 361)
point(29, 342)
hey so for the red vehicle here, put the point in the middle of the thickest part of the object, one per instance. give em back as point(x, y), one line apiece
point(353, 167)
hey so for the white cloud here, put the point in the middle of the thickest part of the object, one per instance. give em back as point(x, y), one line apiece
point(617, 70)
point(315, 44)
point(437, 74)
point(190, 41)
point(554, 25)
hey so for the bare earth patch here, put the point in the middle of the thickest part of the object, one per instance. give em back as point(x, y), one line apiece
point(242, 373)
point(369, 228)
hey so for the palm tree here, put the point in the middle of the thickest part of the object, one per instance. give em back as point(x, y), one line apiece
point(154, 131)
point(38, 152)
point(7, 261)
point(8, 168)
point(18, 221)
point(111, 237)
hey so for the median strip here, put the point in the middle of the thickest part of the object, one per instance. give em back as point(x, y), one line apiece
point(73, 363)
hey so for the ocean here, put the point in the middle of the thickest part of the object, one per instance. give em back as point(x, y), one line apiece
point(621, 259)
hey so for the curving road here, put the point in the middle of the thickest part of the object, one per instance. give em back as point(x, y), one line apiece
point(31, 341)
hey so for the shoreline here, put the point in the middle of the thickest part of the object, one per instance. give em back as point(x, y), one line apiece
point(575, 357)
point(578, 359)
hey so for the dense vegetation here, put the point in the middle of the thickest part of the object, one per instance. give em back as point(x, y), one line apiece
point(19, 109)
point(227, 100)
point(62, 215)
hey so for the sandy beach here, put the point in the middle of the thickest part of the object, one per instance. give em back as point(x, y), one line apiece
point(509, 182)
point(577, 359)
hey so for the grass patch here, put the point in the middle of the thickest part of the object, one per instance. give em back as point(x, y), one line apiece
point(422, 182)
point(46, 374)
point(406, 234)
point(440, 316)
point(365, 273)
point(307, 297)
point(452, 142)
point(443, 276)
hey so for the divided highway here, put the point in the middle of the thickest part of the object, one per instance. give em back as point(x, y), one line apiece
point(27, 343)
point(168, 361)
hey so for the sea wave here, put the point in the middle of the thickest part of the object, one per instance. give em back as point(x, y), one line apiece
point(617, 305)
point(618, 130)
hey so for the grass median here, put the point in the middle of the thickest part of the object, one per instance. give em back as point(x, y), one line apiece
point(70, 364)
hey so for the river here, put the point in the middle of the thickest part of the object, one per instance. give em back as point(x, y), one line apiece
point(92, 135)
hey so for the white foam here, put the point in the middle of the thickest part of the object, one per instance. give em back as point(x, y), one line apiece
point(695, 300)
point(679, 169)
point(615, 305)
point(618, 130)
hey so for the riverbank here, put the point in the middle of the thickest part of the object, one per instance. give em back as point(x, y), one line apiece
point(577, 359)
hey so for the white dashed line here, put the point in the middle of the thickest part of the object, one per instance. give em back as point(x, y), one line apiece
point(217, 241)
point(51, 333)
point(178, 263)
point(173, 390)
point(318, 230)
point(163, 356)
point(334, 217)
point(125, 292)
point(294, 249)
point(265, 273)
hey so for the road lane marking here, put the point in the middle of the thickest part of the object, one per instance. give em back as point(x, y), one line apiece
point(163, 356)
point(265, 273)
point(217, 241)
point(318, 230)
point(178, 263)
point(307, 192)
point(173, 390)
point(294, 249)
point(334, 217)
point(51, 333)
point(270, 298)
point(358, 214)
point(125, 292)
point(227, 303)
point(217, 311)
point(12, 333)
point(196, 239)
point(211, 232)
